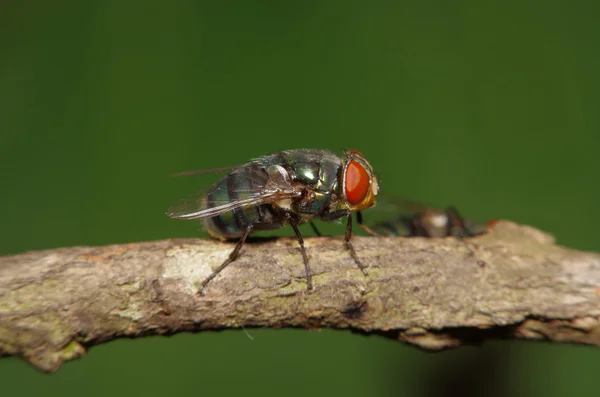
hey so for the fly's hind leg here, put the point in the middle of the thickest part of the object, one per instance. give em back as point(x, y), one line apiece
point(293, 222)
point(232, 256)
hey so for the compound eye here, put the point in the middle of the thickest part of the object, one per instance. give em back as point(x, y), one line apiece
point(357, 183)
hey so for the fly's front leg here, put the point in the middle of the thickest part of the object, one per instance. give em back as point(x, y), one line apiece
point(338, 214)
point(232, 256)
point(351, 247)
point(294, 224)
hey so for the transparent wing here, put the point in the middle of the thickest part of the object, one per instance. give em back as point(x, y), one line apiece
point(194, 207)
point(237, 190)
point(388, 217)
point(404, 205)
point(390, 207)
point(202, 172)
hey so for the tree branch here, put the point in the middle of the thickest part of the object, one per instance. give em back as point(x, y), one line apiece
point(434, 293)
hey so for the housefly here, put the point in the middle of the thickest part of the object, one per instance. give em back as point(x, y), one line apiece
point(290, 187)
point(414, 219)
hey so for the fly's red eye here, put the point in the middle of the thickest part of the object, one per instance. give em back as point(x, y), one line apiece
point(357, 183)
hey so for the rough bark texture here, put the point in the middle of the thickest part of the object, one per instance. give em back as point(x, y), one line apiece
point(434, 293)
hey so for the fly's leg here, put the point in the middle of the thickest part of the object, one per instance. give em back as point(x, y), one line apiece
point(314, 228)
point(351, 247)
point(456, 220)
point(359, 220)
point(338, 214)
point(292, 222)
point(232, 256)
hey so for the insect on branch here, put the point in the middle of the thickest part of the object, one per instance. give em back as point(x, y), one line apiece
point(290, 187)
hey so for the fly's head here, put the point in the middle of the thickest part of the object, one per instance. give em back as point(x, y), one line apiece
point(359, 183)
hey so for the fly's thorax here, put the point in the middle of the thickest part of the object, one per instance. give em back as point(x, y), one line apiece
point(312, 203)
point(316, 169)
point(319, 180)
point(313, 172)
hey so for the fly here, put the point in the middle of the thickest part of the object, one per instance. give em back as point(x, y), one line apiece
point(419, 220)
point(290, 187)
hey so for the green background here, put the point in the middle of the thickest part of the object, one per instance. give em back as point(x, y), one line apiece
point(490, 106)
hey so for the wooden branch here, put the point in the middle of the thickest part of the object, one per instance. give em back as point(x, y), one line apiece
point(434, 293)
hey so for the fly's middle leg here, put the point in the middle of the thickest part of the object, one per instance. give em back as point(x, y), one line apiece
point(232, 256)
point(314, 228)
point(294, 225)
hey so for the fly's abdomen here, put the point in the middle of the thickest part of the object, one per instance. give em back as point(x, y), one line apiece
point(241, 184)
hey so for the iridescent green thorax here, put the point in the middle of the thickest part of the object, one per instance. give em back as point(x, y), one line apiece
point(317, 170)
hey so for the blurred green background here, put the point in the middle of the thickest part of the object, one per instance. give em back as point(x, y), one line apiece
point(490, 106)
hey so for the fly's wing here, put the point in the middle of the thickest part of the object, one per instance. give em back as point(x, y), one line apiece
point(202, 172)
point(389, 206)
point(407, 206)
point(249, 185)
point(391, 216)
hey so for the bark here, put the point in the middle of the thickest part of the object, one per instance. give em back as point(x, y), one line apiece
point(434, 293)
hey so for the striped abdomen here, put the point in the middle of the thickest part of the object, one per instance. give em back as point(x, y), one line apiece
point(240, 184)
